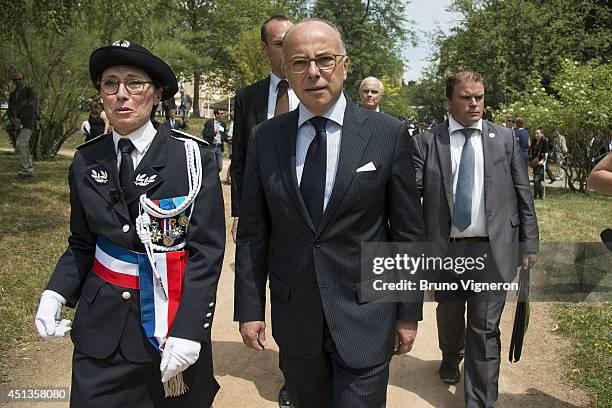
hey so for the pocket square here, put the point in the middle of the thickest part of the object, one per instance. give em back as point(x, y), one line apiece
point(367, 167)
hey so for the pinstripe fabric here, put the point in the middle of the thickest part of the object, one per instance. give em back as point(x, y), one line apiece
point(315, 273)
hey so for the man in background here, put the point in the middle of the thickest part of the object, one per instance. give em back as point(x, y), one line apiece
point(371, 91)
point(258, 102)
point(23, 112)
point(215, 134)
point(476, 200)
point(254, 104)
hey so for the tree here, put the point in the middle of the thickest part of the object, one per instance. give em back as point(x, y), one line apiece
point(507, 41)
point(374, 32)
point(578, 105)
point(395, 101)
point(427, 96)
point(50, 42)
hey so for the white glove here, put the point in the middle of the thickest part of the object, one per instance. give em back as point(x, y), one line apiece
point(47, 321)
point(178, 355)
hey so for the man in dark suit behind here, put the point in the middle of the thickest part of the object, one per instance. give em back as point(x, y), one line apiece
point(320, 181)
point(257, 102)
point(475, 190)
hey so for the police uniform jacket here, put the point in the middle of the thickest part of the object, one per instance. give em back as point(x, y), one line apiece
point(108, 316)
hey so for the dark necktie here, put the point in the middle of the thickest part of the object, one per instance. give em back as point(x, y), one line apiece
point(126, 169)
point(462, 216)
point(282, 97)
point(312, 185)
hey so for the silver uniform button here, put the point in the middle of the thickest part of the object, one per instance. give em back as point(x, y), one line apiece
point(211, 304)
point(126, 295)
point(126, 228)
point(208, 314)
point(206, 325)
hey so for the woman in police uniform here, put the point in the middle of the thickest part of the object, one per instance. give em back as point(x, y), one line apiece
point(136, 194)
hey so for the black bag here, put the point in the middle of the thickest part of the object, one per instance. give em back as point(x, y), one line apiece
point(521, 316)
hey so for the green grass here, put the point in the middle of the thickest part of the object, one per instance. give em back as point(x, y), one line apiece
point(573, 217)
point(35, 216)
point(589, 326)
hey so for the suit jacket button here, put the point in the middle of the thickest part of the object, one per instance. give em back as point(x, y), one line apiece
point(211, 304)
point(126, 228)
point(208, 315)
point(206, 325)
point(317, 244)
point(126, 295)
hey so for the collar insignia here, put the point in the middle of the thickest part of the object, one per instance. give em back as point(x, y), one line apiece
point(143, 180)
point(100, 177)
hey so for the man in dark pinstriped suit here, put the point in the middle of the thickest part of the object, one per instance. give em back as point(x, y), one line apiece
point(336, 343)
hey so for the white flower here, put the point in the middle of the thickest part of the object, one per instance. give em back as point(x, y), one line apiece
point(590, 113)
point(542, 89)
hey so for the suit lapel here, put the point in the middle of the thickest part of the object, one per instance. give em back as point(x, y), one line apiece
point(487, 150)
point(285, 149)
point(147, 175)
point(262, 108)
point(354, 140)
point(442, 140)
point(104, 176)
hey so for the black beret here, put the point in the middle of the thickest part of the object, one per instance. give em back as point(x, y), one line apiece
point(128, 53)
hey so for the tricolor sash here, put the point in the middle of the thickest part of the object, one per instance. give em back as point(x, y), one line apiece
point(130, 269)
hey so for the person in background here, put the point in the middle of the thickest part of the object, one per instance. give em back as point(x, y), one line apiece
point(173, 122)
point(230, 139)
point(371, 91)
point(523, 138)
point(23, 113)
point(185, 105)
point(476, 200)
point(215, 133)
point(540, 151)
point(255, 103)
point(559, 151)
point(509, 122)
point(98, 121)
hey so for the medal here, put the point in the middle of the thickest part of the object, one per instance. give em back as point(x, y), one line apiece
point(168, 240)
point(155, 235)
point(183, 221)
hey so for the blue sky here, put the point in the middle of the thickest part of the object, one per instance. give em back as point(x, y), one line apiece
point(428, 14)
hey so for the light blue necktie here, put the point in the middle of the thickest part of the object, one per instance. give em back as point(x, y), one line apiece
point(465, 184)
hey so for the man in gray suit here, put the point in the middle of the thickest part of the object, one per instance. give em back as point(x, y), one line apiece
point(319, 181)
point(471, 175)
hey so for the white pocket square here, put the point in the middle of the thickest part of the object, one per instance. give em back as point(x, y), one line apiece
point(368, 167)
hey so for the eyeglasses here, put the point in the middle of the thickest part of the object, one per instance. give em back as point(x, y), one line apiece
point(132, 86)
point(299, 65)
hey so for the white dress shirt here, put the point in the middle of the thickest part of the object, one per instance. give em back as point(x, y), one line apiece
point(273, 91)
point(306, 133)
point(141, 138)
point(478, 228)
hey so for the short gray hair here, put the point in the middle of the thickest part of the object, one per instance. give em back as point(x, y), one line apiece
point(371, 78)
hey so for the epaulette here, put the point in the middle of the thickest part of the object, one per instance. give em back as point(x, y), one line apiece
point(177, 134)
point(93, 141)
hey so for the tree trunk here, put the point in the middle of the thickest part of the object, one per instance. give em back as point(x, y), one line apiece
point(196, 93)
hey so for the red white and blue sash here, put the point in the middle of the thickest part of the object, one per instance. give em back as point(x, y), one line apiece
point(130, 269)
